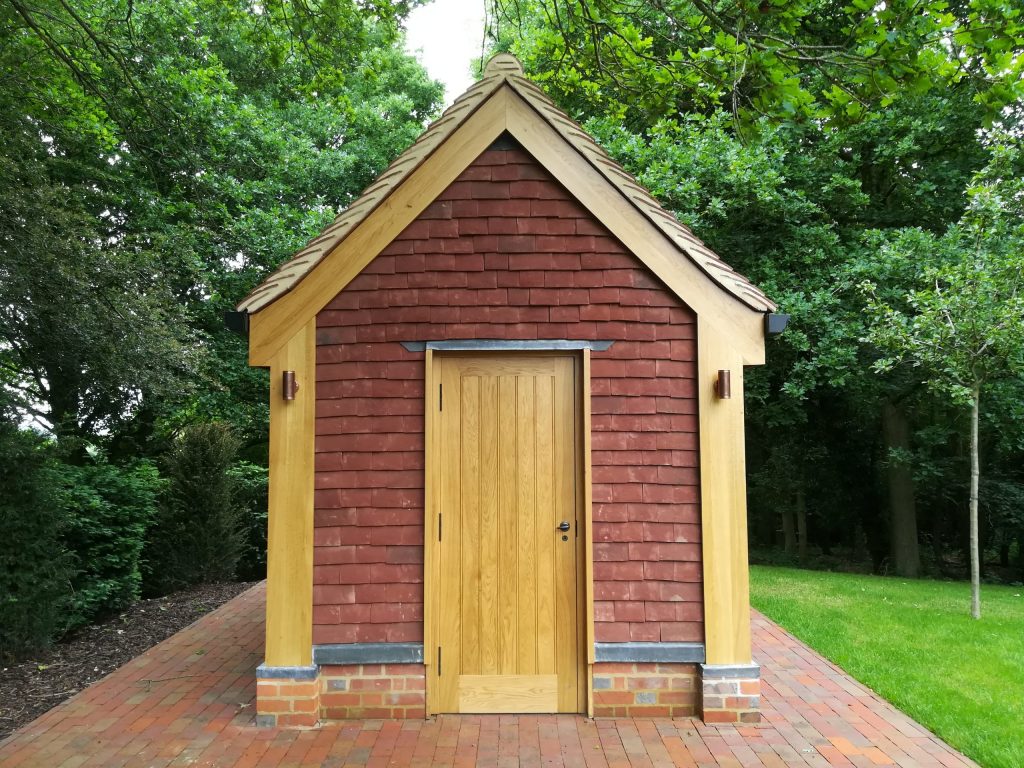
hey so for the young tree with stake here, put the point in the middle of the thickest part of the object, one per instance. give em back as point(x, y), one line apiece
point(962, 322)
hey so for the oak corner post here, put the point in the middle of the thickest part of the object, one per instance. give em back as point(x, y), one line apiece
point(290, 504)
point(723, 502)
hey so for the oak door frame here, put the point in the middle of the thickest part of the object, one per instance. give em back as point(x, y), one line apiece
point(583, 495)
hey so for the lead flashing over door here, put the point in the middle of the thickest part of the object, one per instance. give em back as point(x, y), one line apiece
point(498, 345)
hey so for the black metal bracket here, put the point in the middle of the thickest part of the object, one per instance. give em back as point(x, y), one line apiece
point(775, 323)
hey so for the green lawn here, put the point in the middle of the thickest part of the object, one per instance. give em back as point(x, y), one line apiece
point(914, 643)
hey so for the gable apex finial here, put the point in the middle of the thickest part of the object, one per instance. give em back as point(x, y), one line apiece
point(503, 64)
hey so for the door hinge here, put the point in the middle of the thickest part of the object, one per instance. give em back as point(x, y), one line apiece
point(439, 518)
point(440, 397)
point(439, 661)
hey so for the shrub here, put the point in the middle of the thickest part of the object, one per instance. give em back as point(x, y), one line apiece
point(198, 535)
point(35, 572)
point(251, 486)
point(108, 510)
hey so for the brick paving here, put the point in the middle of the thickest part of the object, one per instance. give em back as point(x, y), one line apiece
point(189, 702)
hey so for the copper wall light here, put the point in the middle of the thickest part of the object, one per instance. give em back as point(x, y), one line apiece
point(724, 384)
point(289, 386)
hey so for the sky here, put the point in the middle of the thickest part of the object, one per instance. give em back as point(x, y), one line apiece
point(446, 35)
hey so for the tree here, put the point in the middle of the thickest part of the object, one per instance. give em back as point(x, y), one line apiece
point(962, 323)
point(159, 159)
point(35, 568)
point(198, 535)
point(88, 322)
point(812, 60)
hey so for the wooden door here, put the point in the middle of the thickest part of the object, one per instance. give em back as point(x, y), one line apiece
point(508, 613)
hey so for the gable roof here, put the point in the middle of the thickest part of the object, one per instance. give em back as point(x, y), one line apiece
point(501, 70)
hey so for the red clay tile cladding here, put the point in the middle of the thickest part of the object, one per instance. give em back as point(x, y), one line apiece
point(506, 253)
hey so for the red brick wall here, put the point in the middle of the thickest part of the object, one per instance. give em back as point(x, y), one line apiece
point(368, 691)
point(645, 690)
point(505, 253)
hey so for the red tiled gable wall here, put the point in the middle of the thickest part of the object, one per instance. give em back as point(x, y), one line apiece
point(505, 253)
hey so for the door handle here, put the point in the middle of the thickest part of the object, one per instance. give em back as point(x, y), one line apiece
point(564, 526)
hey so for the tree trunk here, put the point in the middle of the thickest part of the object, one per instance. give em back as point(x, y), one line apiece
point(906, 558)
point(938, 538)
point(801, 524)
point(975, 474)
point(788, 531)
point(764, 526)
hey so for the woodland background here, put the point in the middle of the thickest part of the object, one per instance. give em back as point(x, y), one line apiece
point(859, 161)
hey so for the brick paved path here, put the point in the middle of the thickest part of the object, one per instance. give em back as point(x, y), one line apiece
point(189, 702)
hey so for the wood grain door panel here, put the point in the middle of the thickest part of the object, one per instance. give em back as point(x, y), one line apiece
point(509, 615)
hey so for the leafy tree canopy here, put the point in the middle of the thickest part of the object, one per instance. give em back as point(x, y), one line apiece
point(810, 60)
point(177, 151)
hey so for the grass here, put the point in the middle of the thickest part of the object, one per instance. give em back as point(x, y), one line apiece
point(915, 644)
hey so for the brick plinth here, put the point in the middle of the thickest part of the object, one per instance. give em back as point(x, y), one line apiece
point(730, 694)
point(287, 703)
point(370, 691)
point(645, 690)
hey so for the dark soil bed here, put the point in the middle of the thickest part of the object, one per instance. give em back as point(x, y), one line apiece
point(32, 687)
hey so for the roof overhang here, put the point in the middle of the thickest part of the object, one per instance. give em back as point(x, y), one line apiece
point(505, 102)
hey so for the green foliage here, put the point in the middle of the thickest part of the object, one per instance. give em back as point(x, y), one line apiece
point(158, 160)
point(89, 327)
point(197, 536)
point(791, 61)
point(1002, 504)
point(251, 492)
point(107, 510)
point(35, 572)
point(961, 318)
point(912, 643)
point(162, 158)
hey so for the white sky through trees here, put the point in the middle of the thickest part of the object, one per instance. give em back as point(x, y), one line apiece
point(446, 35)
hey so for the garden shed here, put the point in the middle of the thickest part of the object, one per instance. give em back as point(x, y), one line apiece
point(506, 439)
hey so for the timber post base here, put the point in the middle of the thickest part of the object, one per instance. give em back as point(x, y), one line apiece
point(730, 693)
